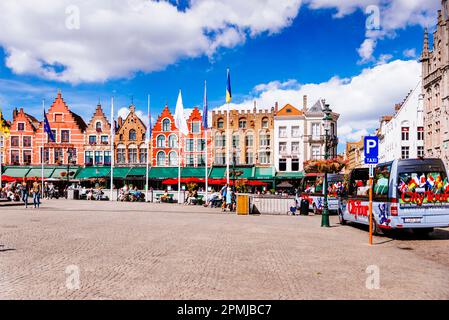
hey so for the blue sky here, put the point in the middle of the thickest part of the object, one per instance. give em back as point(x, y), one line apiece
point(304, 52)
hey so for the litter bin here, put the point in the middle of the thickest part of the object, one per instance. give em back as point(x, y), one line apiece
point(242, 204)
point(304, 207)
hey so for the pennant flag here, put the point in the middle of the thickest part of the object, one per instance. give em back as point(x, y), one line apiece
point(205, 108)
point(180, 119)
point(439, 183)
point(422, 180)
point(228, 89)
point(4, 128)
point(403, 187)
point(430, 181)
point(47, 129)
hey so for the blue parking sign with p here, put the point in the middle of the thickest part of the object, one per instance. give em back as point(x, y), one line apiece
point(371, 150)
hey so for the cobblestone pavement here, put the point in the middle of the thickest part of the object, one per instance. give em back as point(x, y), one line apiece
point(146, 251)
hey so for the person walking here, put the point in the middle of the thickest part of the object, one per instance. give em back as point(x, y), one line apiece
point(229, 198)
point(223, 193)
point(36, 194)
point(25, 194)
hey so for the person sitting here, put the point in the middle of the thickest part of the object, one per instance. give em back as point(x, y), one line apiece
point(165, 197)
point(192, 198)
point(90, 194)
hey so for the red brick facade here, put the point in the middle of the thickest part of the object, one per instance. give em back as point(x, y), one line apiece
point(97, 147)
point(164, 141)
point(195, 146)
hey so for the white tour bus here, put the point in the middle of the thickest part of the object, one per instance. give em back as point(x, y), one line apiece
point(407, 194)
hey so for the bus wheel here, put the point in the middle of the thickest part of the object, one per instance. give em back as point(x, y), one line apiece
point(423, 232)
point(376, 230)
point(340, 217)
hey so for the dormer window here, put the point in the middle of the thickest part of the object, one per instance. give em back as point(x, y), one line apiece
point(98, 126)
point(21, 126)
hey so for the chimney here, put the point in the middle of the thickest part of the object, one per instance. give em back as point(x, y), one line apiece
point(276, 107)
point(304, 103)
point(15, 112)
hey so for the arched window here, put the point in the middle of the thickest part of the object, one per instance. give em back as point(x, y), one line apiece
point(249, 141)
point(161, 159)
point(161, 141)
point(265, 123)
point(220, 123)
point(173, 159)
point(173, 141)
point(98, 126)
point(132, 135)
point(242, 123)
point(166, 125)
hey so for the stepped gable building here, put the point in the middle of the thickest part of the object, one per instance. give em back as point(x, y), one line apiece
point(164, 141)
point(19, 147)
point(251, 136)
point(97, 147)
point(195, 143)
point(68, 129)
point(130, 140)
point(435, 86)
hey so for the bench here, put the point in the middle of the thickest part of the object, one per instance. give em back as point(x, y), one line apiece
point(170, 198)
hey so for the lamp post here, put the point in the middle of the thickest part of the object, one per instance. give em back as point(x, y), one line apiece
point(327, 121)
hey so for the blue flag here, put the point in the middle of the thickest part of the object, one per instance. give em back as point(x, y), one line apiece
point(205, 108)
point(47, 129)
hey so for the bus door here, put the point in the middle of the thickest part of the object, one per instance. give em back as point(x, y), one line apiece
point(355, 205)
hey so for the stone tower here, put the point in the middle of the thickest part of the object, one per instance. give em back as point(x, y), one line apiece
point(435, 81)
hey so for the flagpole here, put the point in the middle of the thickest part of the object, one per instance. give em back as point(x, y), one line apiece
point(43, 147)
point(148, 151)
point(112, 148)
point(205, 125)
point(179, 166)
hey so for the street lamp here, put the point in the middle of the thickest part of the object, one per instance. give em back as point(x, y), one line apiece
point(327, 124)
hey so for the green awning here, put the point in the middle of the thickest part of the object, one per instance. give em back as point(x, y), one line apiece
point(162, 173)
point(121, 173)
point(58, 171)
point(16, 172)
point(289, 175)
point(37, 172)
point(264, 173)
point(198, 172)
point(137, 172)
point(220, 172)
point(93, 172)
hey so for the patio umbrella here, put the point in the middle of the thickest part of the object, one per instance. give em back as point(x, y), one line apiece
point(170, 182)
point(284, 184)
point(9, 179)
point(256, 183)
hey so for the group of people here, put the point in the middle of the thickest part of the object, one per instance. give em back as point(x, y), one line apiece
point(22, 192)
point(130, 193)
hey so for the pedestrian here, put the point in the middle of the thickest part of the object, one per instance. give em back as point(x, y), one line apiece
point(25, 194)
point(36, 194)
point(223, 193)
point(229, 198)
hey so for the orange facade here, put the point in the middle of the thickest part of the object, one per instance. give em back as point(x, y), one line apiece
point(97, 147)
point(164, 141)
point(195, 142)
point(68, 129)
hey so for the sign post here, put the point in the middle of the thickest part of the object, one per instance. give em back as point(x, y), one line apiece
point(371, 147)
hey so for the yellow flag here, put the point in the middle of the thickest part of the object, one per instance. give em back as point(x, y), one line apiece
point(3, 126)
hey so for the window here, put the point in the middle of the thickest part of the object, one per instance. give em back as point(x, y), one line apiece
point(14, 141)
point(316, 153)
point(88, 158)
point(107, 157)
point(143, 155)
point(201, 160)
point(282, 132)
point(173, 159)
point(196, 127)
point(104, 139)
point(282, 165)
point(316, 130)
point(72, 155)
point(65, 136)
point(282, 147)
point(264, 158)
point(265, 123)
point(242, 124)
point(420, 151)
point(220, 158)
point(173, 141)
point(46, 155)
point(421, 133)
point(121, 158)
point(249, 158)
point(381, 181)
point(295, 131)
point(220, 124)
point(98, 157)
point(190, 160)
point(58, 118)
point(161, 159)
point(27, 156)
point(235, 159)
point(295, 164)
point(21, 126)
point(166, 126)
point(132, 135)
point(220, 140)
point(201, 145)
point(92, 140)
point(98, 126)
point(265, 140)
point(132, 155)
point(405, 152)
point(54, 136)
point(26, 142)
point(295, 148)
point(235, 140)
point(190, 145)
point(15, 157)
point(58, 155)
point(249, 141)
point(161, 141)
point(405, 133)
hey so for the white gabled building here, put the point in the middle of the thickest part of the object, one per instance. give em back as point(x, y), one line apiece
point(299, 136)
point(401, 136)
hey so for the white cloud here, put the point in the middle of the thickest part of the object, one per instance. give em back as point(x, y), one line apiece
point(117, 38)
point(366, 50)
point(360, 100)
point(410, 53)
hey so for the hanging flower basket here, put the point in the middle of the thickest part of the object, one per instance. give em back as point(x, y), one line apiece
point(63, 174)
point(325, 166)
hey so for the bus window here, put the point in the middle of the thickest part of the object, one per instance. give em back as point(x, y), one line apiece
point(359, 183)
point(381, 181)
point(418, 182)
